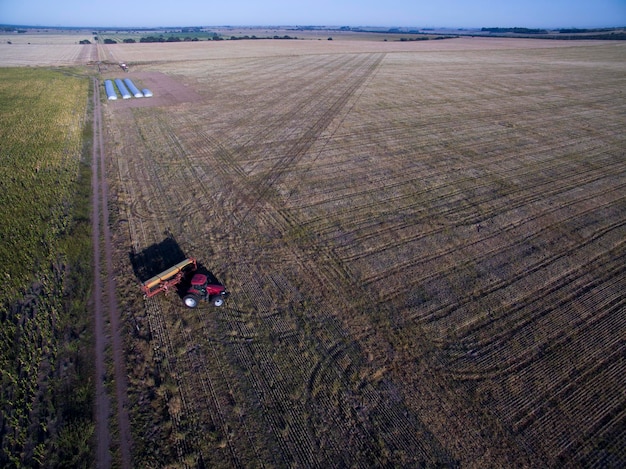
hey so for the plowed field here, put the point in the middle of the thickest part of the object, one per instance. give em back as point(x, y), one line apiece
point(426, 251)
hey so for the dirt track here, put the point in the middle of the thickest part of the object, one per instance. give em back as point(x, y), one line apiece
point(105, 307)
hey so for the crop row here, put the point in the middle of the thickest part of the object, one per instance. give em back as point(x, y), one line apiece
point(26, 55)
point(410, 207)
point(576, 298)
point(539, 265)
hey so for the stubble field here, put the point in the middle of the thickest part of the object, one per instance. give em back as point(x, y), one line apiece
point(425, 249)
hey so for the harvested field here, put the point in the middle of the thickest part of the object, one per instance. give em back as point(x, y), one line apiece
point(425, 249)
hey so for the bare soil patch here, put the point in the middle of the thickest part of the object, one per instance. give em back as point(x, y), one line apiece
point(166, 89)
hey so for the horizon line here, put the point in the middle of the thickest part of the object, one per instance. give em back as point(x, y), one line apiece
point(320, 26)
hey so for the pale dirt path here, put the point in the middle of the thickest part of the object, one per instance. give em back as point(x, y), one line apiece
point(103, 304)
point(103, 439)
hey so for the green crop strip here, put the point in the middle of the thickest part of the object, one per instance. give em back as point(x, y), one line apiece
point(40, 144)
point(45, 270)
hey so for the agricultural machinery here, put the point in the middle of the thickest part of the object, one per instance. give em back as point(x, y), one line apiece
point(201, 287)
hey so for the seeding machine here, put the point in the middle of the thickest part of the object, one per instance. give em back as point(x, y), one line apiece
point(201, 285)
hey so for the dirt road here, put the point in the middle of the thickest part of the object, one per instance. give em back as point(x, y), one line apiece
point(105, 308)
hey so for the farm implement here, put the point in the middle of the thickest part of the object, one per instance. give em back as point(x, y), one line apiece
point(202, 286)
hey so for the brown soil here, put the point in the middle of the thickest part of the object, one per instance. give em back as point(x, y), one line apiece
point(425, 249)
point(166, 90)
point(105, 308)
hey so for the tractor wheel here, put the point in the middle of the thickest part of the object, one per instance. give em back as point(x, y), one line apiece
point(219, 301)
point(191, 301)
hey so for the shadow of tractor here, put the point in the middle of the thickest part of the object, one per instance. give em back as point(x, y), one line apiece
point(156, 258)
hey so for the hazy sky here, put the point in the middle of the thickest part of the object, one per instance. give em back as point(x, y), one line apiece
point(420, 13)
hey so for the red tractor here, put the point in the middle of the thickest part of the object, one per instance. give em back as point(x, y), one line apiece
point(202, 286)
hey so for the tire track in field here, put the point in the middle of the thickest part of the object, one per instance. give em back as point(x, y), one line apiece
point(454, 312)
point(287, 107)
point(572, 274)
point(525, 411)
point(283, 109)
point(106, 305)
point(492, 355)
point(102, 404)
point(558, 330)
point(521, 408)
point(565, 419)
point(443, 199)
point(253, 191)
point(262, 187)
point(445, 207)
point(443, 311)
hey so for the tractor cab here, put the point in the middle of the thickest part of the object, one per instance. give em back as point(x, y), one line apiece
point(202, 287)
